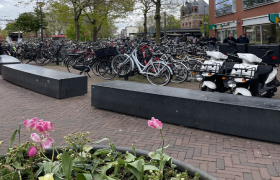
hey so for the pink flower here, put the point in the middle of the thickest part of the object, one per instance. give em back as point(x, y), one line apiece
point(30, 124)
point(155, 123)
point(35, 138)
point(32, 151)
point(46, 143)
point(44, 127)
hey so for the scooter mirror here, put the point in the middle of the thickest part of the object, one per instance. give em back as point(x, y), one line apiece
point(269, 52)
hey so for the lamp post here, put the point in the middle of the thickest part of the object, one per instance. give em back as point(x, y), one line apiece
point(204, 31)
point(40, 2)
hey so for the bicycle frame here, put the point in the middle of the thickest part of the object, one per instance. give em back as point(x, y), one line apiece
point(143, 69)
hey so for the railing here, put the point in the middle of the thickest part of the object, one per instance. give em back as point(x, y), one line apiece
point(227, 9)
point(251, 3)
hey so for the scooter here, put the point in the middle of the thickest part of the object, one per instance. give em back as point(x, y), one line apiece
point(208, 70)
point(249, 78)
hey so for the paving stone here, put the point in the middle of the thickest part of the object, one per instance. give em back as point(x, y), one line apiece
point(220, 164)
point(212, 152)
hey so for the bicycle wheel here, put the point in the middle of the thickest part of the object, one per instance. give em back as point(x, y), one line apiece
point(94, 67)
point(43, 58)
point(158, 74)
point(180, 72)
point(24, 57)
point(122, 64)
point(69, 65)
point(105, 70)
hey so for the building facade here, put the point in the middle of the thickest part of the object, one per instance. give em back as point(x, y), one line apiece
point(245, 16)
point(129, 31)
point(192, 14)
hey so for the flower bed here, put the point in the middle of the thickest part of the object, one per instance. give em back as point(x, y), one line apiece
point(81, 161)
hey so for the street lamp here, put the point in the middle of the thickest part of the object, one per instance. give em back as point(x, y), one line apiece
point(40, 4)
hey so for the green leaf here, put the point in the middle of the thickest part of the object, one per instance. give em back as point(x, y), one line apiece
point(95, 165)
point(105, 168)
point(117, 169)
point(134, 171)
point(19, 134)
point(154, 155)
point(39, 171)
point(67, 165)
point(104, 139)
point(12, 138)
point(133, 148)
point(97, 176)
point(75, 147)
point(87, 148)
point(101, 152)
point(84, 176)
point(121, 161)
point(137, 168)
point(129, 157)
point(150, 167)
point(163, 161)
point(47, 167)
point(56, 166)
point(17, 165)
point(160, 150)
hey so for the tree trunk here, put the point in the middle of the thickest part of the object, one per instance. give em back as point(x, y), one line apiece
point(145, 25)
point(157, 18)
point(77, 27)
point(95, 33)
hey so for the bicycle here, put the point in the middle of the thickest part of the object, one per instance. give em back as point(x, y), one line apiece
point(157, 73)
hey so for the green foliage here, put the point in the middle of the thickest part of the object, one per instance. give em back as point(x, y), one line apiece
point(11, 27)
point(30, 21)
point(70, 32)
point(206, 25)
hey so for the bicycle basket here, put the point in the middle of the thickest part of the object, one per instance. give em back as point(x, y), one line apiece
point(104, 52)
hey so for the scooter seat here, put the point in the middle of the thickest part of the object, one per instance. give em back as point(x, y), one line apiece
point(263, 72)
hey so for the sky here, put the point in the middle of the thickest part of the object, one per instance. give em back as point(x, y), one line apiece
point(8, 10)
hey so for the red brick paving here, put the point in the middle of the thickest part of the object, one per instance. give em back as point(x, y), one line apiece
point(223, 156)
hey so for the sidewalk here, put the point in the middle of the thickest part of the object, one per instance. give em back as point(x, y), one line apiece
point(225, 157)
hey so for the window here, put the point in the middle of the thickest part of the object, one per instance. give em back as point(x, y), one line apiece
point(195, 9)
point(247, 4)
point(270, 34)
point(253, 34)
point(223, 7)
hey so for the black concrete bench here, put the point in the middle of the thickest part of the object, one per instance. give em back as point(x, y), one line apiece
point(49, 82)
point(5, 59)
point(251, 117)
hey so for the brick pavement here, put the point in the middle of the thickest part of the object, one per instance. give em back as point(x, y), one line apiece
point(226, 157)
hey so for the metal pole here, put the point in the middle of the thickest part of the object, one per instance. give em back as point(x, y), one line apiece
point(204, 22)
point(42, 36)
point(165, 35)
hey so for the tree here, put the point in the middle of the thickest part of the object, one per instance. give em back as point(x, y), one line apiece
point(102, 11)
point(58, 16)
point(146, 5)
point(78, 6)
point(172, 22)
point(157, 18)
point(171, 4)
point(29, 22)
point(206, 25)
point(11, 27)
